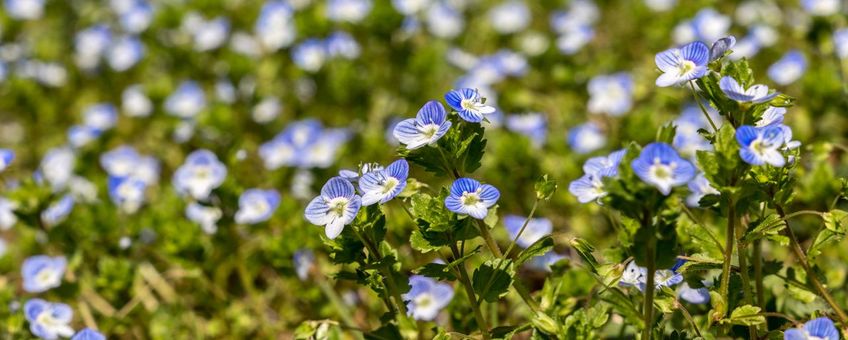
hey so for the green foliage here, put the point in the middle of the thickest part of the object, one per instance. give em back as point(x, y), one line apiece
point(492, 279)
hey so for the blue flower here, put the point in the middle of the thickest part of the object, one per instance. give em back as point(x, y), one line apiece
point(304, 261)
point(24, 9)
point(820, 328)
point(342, 44)
point(510, 17)
point(256, 205)
point(187, 101)
point(100, 116)
point(698, 296)
point(426, 297)
point(821, 7)
point(309, 55)
point(533, 125)
point(680, 65)
point(586, 138)
point(135, 103)
point(48, 320)
point(348, 10)
point(636, 276)
point(710, 25)
point(590, 187)
point(573, 40)
point(336, 207)
point(660, 165)
point(426, 128)
point(383, 185)
point(611, 94)
point(772, 115)
point(127, 193)
point(468, 104)
point(469, 197)
point(604, 165)
point(58, 211)
point(544, 262)
point(137, 18)
point(88, 334)
point(687, 139)
point(409, 7)
point(789, 68)
point(6, 158)
point(699, 187)
point(761, 145)
point(57, 167)
point(81, 135)
point(840, 43)
point(721, 46)
point(354, 175)
point(755, 94)
point(90, 44)
point(444, 21)
point(206, 217)
point(210, 34)
point(41, 273)
point(200, 174)
point(125, 53)
point(124, 161)
point(536, 229)
point(7, 213)
point(275, 26)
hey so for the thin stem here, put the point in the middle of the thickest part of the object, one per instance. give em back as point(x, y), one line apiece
point(802, 212)
point(701, 105)
point(648, 308)
point(487, 237)
point(523, 226)
point(728, 254)
point(758, 274)
point(688, 317)
point(698, 222)
point(742, 256)
point(391, 286)
point(336, 301)
point(469, 290)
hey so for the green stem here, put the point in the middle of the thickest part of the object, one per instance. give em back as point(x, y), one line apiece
point(701, 105)
point(728, 253)
point(336, 301)
point(469, 290)
point(758, 274)
point(742, 257)
point(523, 226)
point(648, 308)
point(390, 284)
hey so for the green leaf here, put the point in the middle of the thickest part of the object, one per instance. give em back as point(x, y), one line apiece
point(764, 227)
point(385, 332)
point(492, 279)
point(835, 220)
point(545, 187)
point(666, 133)
point(540, 247)
point(584, 249)
point(437, 271)
point(746, 315)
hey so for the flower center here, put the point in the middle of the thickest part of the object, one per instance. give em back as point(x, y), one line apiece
point(759, 147)
point(338, 206)
point(470, 198)
point(423, 300)
point(46, 318)
point(468, 104)
point(45, 276)
point(686, 66)
point(429, 130)
point(389, 185)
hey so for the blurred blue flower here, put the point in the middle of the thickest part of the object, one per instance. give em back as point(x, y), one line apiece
point(383, 185)
point(210, 34)
point(747, 47)
point(840, 43)
point(444, 21)
point(257, 205)
point(410, 7)
point(353, 175)
point(821, 7)
point(699, 187)
point(201, 173)
point(336, 207)
point(266, 110)
point(611, 94)
point(58, 211)
point(710, 25)
point(206, 216)
point(275, 26)
point(536, 229)
point(722, 46)
point(137, 18)
point(135, 103)
point(88, 334)
point(590, 187)
point(469, 197)
point(469, 105)
point(309, 55)
point(509, 63)
point(127, 193)
point(90, 45)
point(680, 65)
point(669, 277)
point(348, 10)
point(687, 139)
point(426, 128)
point(82, 135)
point(698, 296)
point(6, 158)
point(510, 17)
point(426, 297)
point(24, 9)
point(545, 261)
point(7, 213)
point(754, 94)
point(57, 167)
point(573, 41)
point(660, 165)
point(342, 44)
point(789, 68)
point(761, 145)
point(772, 115)
point(303, 144)
point(636, 276)
point(41, 273)
point(125, 53)
point(605, 165)
point(660, 5)
point(533, 125)
point(101, 116)
point(304, 261)
point(186, 101)
point(125, 161)
point(586, 138)
point(48, 320)
point(821, 328)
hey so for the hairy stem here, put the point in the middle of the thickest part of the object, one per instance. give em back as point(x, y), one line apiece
point(523, 226)
point(469, 290)
point(742, 256)
point(728, 253)
point(758, 274)
point(648, 308)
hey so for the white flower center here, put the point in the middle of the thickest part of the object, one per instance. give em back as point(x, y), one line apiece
point(338, 206)
point(685, 67)
point(423, 301)
point(45, 277)
point(389, 184)
point(470, 198)
point(662, 171)
point(429, 130)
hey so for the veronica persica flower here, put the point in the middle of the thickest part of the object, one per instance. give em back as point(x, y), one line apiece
point(586, 138)
point(48, 320)
point(206, 217)
point(58, 211)
point(820, 328)
point(669, 277)
point(100, 116)
point(468, 104)
point(789, 68)
point(135, 103)
point(772, 115)
point(840, 43)
point(348, 10)
point(699, 187)
point(533, 125)
point(721, 46)
point(755, 94)
point(256, 205)
point(536, 229)
point(186, 101)
point(426, 297)
point(304, 260)
point(636, 276)
point(660, 165)
point(127, 193)
point(88, 334)
point(335, 207)
point(611, 94)
point(760, 146)
point(696, 296)
point(469, 197)
point(201, 173)
point(24, 9)
point(41, 273)
point(7, 213)
point(309, 55)
point(383, 185)
point(633, 276)
point(426, 128)
point(590, 187)
point(680, 65)
point(6, 158)
point(125, 53)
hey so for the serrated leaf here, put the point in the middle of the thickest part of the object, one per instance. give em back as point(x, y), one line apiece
point(437, 271)
point(545, 187)
point(492, 279)
point(835, 220)
point(540, 247)
point(746, 315)
point(763, 227)
point(584, 249)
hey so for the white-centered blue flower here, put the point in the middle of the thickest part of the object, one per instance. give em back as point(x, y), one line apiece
point(536, 229)
point(201, 173)
point(636, 276)
point(680, 65)
point(186, 101)
point(304, 261)
point(409, 7)
point(590, 187)
point(699, 187)
point(336, 207)
point(90, 45)
point(127, 193)
point(354, 175)
point(633, 276)
point(48, 320)
point(88, 334)
point(210, 34)
point(426, 297)
point(81, 135)
point(303, 144)
point(309, 55)
point(710, 25)
point(698, 296)
point(660, 165)
point(275, 27)
point(721, 47)
point(135, 103)
point(759, 146)
point(586, 138)
point(7, 213)
point(24, 9)
point(125, 52)
point(101, 116)
point(58, 211)
point(426, 128)
point(266, 110)
point(444, 21)
point(257, 205)
point(137, 18)
point(821, 7)
point(6, 158)
point(57, 167)
point(381, 186)
point(574, 40)
point(611, 94)
point(41, 273)
point(789, 68)
point(840, 43)
point(206, 216)
point(125, 161)
point(534, 125)
point(816, 329)
point(348, 10)
point(688, 140)
point(468, 104)
point(510, 17)
point(754, 94)
point(342, 44)
point(469, 197)
point(772, 115)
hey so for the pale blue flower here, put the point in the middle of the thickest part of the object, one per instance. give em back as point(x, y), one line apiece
point(354, 175)
point(722, 46)
point(58, 211)
point(342, 44)
point(6, 158)
point(426, 128)
point(698, 296)
point(201, 173)
point(754, 94)
point(660, 166)
point(206, 216)
point(257, 205)
point(88, 334)
point(47, 320)
point(303, 144)
point(211, 34)
point(660, 5)
point(24, 9)
point(636, 276)
point(611, 94)
point(266, 110)
point(125, 161)
point(710, 25)
point(125, 52)
point(127, 193)
point(304, 261)
point(57, 167)
point(186, 101)
point(468, 104)
point(100, 116)
point(747, 47)
point(410, 7)
point(336, 207)
point(687, 139)
point(820, 329)
point(544, 262)
point(135, 103)
point(137, 18)
point(789, 68)
point(586, 138)
point(761, 145)
point(90, 45)
point(840, 43)
point(81, 135)
point(605, 165)
point(7, 213)
point(573, 41)
point(309, 55)
point(41, 273)
point(444, 21)
point(384, 185)
point(821, 7)
point(680, 65)
point(536, 229)
point(590, 187)
point(699, 187)
point(533, 125)
point(509, 63)
point(275, 26)
point(510, 17)
point(772, 115)
point(426, 297)
point(348, 10)
point(469, 197)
